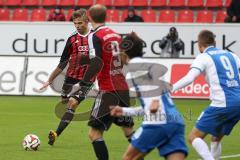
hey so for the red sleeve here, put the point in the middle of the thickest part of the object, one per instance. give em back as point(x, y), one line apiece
point(66, 54)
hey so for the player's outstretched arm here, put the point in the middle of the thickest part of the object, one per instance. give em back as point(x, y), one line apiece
point(188, 79)
point(53, 75)
point(118, 111)
point(62, 64)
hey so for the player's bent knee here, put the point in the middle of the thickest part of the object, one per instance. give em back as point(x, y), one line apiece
point(94, 134)
point(125, 157)
point(191, 137)
point(72, 103)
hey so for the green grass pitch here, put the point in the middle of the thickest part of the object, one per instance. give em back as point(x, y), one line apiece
point(22, 115)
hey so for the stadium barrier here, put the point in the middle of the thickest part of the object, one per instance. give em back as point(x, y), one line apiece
point(48, 38)
point(30, 51)
point(25, 75)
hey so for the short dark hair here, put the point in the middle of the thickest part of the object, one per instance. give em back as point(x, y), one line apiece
point(132, 45)
point(80, 13)
point(98, 13)
point(206, 38)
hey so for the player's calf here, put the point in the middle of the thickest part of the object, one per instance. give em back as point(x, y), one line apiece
point(99, 145)
point(196, 140)
point(216, 147)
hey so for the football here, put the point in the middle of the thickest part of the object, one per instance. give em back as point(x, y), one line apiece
point(31, 142)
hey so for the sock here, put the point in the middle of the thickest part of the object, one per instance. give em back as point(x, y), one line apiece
point(66, 119)
point(216, 150)
point(100, 149)
point(202, 149)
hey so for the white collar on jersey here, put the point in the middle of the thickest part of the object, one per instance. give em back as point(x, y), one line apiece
point(85, 35)
point(207, 48)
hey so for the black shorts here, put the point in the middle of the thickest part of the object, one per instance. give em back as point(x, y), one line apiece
point(100, 117)
point(67, 86)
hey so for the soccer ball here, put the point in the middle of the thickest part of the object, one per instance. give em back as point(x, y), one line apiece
point(31, 142)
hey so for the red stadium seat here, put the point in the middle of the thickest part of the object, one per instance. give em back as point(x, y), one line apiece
point(13, 2)
point(85, 2)
point(220, 16)
point(138, 3)
point(195, 3)
point(149, 15)
point(30, 2)
point(20, 14)
point(4, 14)
point(121, 3)
point(204, 16)
point(166, 16)
point(176, 3)
point(112, 16)
point(38, 15)
point(69, 14)
point(124, 15)
point(49, 2)
point(185, 16)
point(1, 2)
point(214, 3)
point(67, 3)
point(227, 3)
point(104, 2)
point(158, 3)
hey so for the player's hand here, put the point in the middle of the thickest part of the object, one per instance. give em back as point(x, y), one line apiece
point(155, 105)
point(45, 85)
point(116, 111)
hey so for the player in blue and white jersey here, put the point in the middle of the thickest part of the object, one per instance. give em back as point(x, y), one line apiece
point(163, 126)
point(221, 70)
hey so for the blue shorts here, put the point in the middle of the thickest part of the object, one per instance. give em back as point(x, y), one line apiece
point(218, 121)
point(167, 138)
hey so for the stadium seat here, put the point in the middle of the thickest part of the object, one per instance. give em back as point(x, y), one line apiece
point(30, 2)
point(104, 2)
point(121, 3)
point(4, 14)
point(158, 3)
point(1, 2)
point(149, 15)
point(124, 15)
point(13, 2)
point(227, 3)
point(38, 15)
point(20, 14)
point(166, 16)
point(69, 14)
point(214, 3)
point(204, 16)
point(185, 16)
point(220, 16)
point(176, 3)
point(112, 16)
point(195, 3)
point(66, 3)
point(84, 2)
point(139, 3)
point(49, 2)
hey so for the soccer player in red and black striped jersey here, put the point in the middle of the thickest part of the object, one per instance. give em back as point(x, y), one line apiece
point(113, 89)
point(76, 49)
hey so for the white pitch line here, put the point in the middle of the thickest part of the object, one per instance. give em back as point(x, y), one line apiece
point(230, 156)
